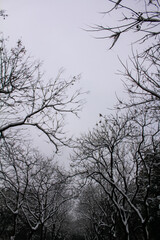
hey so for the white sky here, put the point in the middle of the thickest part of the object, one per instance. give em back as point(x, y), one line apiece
point(52, 31)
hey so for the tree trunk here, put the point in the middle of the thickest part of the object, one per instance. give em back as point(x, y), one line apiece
point(41, 233)
point(146, 233)
point(14, 227)
point(30, 235)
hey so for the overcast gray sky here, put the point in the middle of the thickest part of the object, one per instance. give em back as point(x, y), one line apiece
point(52, 31)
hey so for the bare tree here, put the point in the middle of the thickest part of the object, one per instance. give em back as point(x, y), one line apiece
point(142, 82)
point(45, 198)
point(29, 100)
point(97, 155)
point(34, 192)
point(15, 171)
point(113, 156)
point(143, 18)
point(122, 153)
point(142, 70)
point(95, 213)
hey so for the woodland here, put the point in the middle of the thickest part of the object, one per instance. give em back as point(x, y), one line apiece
point(112, 188)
